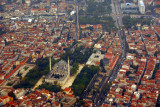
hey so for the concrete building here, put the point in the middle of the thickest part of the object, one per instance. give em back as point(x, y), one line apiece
point(28, 2)
point(99, 1)
point(19, 1)
point(95, 58)
point(19, 93)
point(141, 6)
point(68, 101)
point(59, 73)
point(129, 8)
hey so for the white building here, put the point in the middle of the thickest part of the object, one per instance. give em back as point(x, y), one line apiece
point(28, 2)
point(19, 1)
point(95, 58)
point(19, 93)
point(141, 6)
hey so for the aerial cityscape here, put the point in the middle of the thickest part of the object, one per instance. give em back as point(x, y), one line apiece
point(79, 53)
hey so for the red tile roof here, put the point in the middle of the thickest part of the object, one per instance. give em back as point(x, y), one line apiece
point(109, 56)
point(1, 81)
point(13, 71)
point(113, 63)
point(67, 89)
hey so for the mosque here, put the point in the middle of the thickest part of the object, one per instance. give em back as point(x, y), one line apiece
point(59, 73)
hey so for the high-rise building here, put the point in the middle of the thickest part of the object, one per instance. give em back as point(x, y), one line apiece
point(28, 2)
point(141, 6)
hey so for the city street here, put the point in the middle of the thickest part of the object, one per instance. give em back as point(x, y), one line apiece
point(117, 16)
point(116, 13)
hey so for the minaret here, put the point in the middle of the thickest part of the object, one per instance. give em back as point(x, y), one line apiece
point(50, 65)
point(77, 24)
point(68, 67)
point(56, 14)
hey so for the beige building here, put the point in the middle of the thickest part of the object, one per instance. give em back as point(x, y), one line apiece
point(68, 101)
point(59, 73)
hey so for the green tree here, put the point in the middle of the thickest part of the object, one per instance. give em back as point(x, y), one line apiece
point(9, 84)
point(83, 79)
point(42, 68)
point(81, 103)
point(101, 62)
point(9, 1)
point(12, 95)
point(128, 72)
point(1, 10)
point(148, 35)
point(129, 22)
point(50, 87)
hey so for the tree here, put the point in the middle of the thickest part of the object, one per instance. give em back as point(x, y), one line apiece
point(23, 1)
point(80, 103)
point(81, 12)
point(83, 79)
point(42, 68)
point(2, 31)
point(14, 66)
point(9, 1)
point(12, 95)
point(14, 1)
point(157, 52)
point(93, 92)
point(128, 72)
point(101, 62)
point(63, 44)
point(98, 90)
point(129, 22)
point(124, 90)
point(19, 75)
point(102, 65)
point(90, 28)
point(148, 35)
point(1, 8)
point(9, 84)
point(50, 87)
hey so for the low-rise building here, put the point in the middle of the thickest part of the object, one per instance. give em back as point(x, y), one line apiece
point(95, 58)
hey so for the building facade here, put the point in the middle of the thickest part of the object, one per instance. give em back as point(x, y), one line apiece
point(129, 8)
point(141, 6)
point(59, 73)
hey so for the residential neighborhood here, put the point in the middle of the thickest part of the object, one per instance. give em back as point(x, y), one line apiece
point(81, 53)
